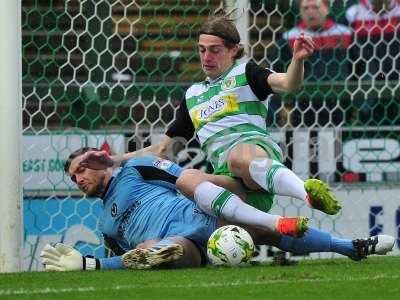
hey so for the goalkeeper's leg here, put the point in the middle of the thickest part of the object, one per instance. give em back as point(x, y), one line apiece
point(316, 240)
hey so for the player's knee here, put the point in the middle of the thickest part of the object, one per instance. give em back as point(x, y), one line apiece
point(186, 176)
point(241, 156)
point(188, 181)
point(187, 173)
point(237, 163)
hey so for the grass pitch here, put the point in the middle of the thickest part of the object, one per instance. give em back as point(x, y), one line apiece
point(375, 278)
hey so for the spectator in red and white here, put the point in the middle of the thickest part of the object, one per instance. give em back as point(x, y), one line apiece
point(328, 62)
point(330, 38)
point(376, 25)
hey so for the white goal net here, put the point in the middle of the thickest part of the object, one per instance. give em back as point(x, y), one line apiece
point(110, 74)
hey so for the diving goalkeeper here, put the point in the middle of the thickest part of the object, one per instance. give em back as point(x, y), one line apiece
point(148, 224)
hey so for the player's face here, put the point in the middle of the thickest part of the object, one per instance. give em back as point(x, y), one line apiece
point(314, 13)
point(215, 57)
point(91, 182)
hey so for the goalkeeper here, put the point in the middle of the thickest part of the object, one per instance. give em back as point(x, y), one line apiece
point(147, 224)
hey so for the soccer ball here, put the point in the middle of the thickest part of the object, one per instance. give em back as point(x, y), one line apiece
point(230, 245)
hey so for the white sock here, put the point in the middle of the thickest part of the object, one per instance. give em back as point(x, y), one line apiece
point(275, 178)
point(217, 201)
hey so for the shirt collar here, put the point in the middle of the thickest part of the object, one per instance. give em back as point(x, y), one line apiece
point(106, 189)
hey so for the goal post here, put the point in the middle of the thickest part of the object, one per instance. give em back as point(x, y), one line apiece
point(11, 134)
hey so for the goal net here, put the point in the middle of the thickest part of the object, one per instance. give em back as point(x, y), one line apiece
point(109, 74)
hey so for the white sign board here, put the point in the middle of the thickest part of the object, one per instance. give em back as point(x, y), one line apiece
point(44, 157)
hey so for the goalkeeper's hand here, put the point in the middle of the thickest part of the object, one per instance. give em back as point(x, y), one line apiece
point(65, 258)
point(96, 160)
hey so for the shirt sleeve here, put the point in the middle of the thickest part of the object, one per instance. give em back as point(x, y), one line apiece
point(115, 261)
point(182, 125)
point(156, 170)
point(257, 79)
point(111, 263)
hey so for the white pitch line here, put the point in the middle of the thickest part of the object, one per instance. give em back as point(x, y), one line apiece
point(8, 292)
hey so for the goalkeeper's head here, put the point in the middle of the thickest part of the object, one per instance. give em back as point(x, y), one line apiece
point(92, 182)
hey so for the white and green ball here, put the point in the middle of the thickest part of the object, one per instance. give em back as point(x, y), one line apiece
point(230, 245)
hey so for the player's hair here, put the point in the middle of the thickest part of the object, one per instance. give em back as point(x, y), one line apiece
point(76, 153)
point(222, 26)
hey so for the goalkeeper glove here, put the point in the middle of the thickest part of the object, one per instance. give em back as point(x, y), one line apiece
point(65, 258)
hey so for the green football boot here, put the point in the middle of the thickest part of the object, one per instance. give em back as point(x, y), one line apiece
point(320, 197)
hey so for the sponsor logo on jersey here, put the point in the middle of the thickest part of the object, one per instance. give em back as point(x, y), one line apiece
point(212, 109)
point(228, 83)
point(162, 164)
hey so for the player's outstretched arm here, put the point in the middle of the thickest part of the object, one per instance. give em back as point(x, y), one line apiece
point(65, 258)
point(293, 78)
point(100, 160)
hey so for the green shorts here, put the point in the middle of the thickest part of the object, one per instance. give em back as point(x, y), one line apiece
point(260, 199)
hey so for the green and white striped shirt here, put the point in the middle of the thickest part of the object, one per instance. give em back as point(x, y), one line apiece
point(229, 110)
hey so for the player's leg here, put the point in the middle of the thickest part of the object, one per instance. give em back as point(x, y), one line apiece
point(257, 164)
point(316, 240)
point(170, 252)
point(189, 180)
point(192, 256)
point(219, 202)
point(147, 244)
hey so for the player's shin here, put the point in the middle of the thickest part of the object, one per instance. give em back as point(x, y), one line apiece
point(275, 178)
point(219, 202)
point(316, 240)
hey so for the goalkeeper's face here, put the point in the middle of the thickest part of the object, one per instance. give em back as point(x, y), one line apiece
point(91, 182)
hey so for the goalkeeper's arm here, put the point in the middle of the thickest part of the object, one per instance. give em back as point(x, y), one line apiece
point(100, 160)
point(65, 258)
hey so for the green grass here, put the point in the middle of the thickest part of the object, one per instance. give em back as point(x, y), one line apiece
point(376, 278)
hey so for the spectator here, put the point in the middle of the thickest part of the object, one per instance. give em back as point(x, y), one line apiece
point(326, 64)
point(374, 54)
point(331, 42)
point(376, 25)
